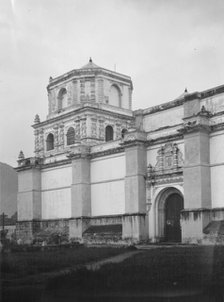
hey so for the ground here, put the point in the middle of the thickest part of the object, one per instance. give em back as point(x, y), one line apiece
point(80, 274)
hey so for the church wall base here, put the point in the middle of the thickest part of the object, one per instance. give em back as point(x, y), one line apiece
point(203, 226)
point(77, 227)
point(25, 231)
point(50, 231)
point(114, 229)
point(193, 222)
point(134, 228)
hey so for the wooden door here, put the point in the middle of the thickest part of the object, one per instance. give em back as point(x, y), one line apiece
point(173, 207)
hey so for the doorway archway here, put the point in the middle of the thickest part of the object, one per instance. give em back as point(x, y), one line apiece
point(173, 207)
point(170, 203)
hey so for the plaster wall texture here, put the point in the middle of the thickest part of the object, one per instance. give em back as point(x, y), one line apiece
point(29, 195)
point(29, 180)
point(217, 168)
point(196, 149)
point(216, 148)
point(56, 204)
point(217, 188)
point(108, 198)
point(192, 225)
point(135, 191)
point(214, 104)
point(81, 198)
point(152, 154)
point(134, 227)
point(56, 178)
point(25, 206)
point(56, 192)
point(192, 230)
point(197, 187)
point(169, 117)
point(107, 168)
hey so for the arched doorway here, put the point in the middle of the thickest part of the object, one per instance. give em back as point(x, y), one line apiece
point(173, 207)
point(169, 203)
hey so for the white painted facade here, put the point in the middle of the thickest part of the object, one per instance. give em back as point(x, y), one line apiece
point(123, 167)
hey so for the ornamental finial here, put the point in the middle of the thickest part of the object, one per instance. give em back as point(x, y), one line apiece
point(36, 119)
point(21, 155)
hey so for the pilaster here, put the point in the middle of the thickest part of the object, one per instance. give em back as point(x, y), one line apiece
point(80, 191)
point(196, 172)
point(29, 194)
point(134, 224)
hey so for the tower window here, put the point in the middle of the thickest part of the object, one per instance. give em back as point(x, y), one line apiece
point(115, 96)
point(62, 99)
point(123, 132)
point(70, 136)
point(50, 142)
point(109, 133)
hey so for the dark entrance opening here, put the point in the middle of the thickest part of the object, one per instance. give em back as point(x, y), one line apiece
point(173, 207)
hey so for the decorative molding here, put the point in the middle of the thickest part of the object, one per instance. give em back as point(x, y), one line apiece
point(94, 109)
point(165, 139)
point(169, 166)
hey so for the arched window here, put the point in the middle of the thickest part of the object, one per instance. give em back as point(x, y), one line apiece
point(70, 136)
point(109, 133)
point(50, 142)
point(115, 96)
point(123, 132)
point(62, 98)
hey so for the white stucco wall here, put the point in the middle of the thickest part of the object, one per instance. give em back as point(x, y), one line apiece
point(107, 185)
point(152, 154)
point(216, 148)
point(56, 204)
point(108, 198)
point(107, 168)
point(56, 193)
point(56, 178)
point(169, 117)
point(217, 169)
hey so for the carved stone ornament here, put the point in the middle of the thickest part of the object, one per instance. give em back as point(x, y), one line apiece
point(169, 160)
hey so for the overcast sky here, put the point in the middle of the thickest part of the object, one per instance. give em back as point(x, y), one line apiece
point(164, 45)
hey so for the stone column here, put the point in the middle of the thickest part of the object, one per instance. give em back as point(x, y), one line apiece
point(197, 186)
point(81, 192)
point(134, 219)
point(29, 200)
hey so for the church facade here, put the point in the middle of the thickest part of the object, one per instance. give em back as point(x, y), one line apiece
point(104, 173)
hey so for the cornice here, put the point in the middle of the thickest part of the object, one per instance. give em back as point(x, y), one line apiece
point(195, 128)
point(89, 73)
point(165, 139)
point(107, 152)
point(217, 127)
point(82, 110)
point(162, 107)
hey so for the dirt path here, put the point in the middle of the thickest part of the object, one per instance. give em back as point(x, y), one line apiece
point(116, 259)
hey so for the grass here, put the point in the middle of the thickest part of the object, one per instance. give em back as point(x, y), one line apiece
point(177, 267)
point(22, 264)
point(151, 270)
